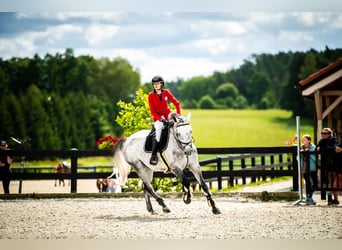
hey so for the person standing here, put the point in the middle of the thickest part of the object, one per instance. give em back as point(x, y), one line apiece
point(309, 170)
point(5, 170)
point(327, 147)
point(158, 101)
point(338, 151)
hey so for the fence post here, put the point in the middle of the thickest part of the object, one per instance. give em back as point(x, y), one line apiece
point(253, 178)
point(243, 165)
point(263, 162)
point(231, 178)
point(272, 162)
point(295, 170)
point(219, 178)
point(74, 171)
point(281, 161)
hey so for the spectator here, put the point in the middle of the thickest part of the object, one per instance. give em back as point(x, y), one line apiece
point(338, 150)
point(5, 168)
point(291, 143)
point(329, 166)
point(111, 185)
point(308, 165)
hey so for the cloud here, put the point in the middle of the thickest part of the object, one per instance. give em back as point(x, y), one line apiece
point(100, 33)
point(9, 47)
point(180, 44)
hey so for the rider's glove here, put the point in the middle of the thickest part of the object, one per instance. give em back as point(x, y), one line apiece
point(165, 122)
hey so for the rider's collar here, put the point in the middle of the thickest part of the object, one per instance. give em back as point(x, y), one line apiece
point(156, 91)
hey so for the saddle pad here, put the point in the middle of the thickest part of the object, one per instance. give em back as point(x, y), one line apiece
point(163, 139)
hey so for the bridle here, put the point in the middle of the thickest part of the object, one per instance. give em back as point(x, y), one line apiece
point(182, 144)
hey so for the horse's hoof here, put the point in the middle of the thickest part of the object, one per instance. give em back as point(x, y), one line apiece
point(166, 210)
point(216, 210)
point(187, 200)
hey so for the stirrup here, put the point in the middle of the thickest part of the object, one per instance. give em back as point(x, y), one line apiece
point(154, 160)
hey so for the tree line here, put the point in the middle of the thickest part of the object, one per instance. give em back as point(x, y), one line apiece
point(62, 101)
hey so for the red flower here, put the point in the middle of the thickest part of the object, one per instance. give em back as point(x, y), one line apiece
point(107, 142)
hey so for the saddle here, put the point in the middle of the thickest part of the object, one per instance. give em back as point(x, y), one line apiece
point(164, 139)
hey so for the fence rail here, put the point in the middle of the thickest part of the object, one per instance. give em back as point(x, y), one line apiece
point(230, 163)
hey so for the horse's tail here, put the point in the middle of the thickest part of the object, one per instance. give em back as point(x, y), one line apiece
point(121, 167)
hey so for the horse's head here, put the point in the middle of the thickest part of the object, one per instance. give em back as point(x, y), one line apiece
point(182, 132)
point(101, 185)
point(57, 167)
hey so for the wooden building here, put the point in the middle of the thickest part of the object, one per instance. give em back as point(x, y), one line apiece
point(325, 88)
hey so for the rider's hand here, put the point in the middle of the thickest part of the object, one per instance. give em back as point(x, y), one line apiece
point(165, 122)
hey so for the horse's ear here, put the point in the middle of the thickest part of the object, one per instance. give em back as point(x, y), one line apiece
point(188, 116)
point(174, 117)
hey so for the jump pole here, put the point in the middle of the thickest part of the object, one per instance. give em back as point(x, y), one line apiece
point(298, 164)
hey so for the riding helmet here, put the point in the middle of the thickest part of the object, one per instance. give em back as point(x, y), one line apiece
point(158, 79)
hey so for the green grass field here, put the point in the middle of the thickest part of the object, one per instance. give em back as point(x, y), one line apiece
point(245, 128)
point(231, 128)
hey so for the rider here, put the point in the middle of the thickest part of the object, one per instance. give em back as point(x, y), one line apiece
point(158, 101)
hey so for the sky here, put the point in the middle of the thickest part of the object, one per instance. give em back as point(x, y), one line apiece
point(165, 41)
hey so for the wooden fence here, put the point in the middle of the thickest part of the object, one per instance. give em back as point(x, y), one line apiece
point(223, 164)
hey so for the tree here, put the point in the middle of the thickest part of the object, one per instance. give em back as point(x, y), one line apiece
point(195, 88)
point(206, 102)
point(60, 123)
point(226, 90)
point(134, 116)
point(309, 67)
point(81, 131)
point(36, 119)
point(257, 88)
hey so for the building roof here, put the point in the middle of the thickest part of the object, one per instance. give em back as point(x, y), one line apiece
point(327, 78)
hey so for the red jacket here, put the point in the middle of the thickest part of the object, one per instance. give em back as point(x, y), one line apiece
point(160, 107)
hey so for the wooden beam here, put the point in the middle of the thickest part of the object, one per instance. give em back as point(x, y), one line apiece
point(319, 129)
point(327, 100)
point(331, 92)
point(318, 105)
point(331, 107)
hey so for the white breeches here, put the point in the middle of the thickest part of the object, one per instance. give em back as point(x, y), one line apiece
point(158, 125)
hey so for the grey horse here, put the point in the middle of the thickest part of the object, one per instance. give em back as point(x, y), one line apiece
point(180, 153)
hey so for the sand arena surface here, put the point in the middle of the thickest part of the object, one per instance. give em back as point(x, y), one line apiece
point(127, 218)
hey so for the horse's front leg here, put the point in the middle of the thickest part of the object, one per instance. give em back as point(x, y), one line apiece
point(185, 185)
point(199, 177)
point(60, 182)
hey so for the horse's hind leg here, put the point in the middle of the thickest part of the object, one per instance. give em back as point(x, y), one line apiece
point(148, 191)
point(146, 175)
point(148, 202)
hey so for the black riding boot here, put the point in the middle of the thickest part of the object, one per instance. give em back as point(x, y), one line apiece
point(154, 158)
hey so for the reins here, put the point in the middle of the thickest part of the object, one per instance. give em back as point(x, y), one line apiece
point(180, 143)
